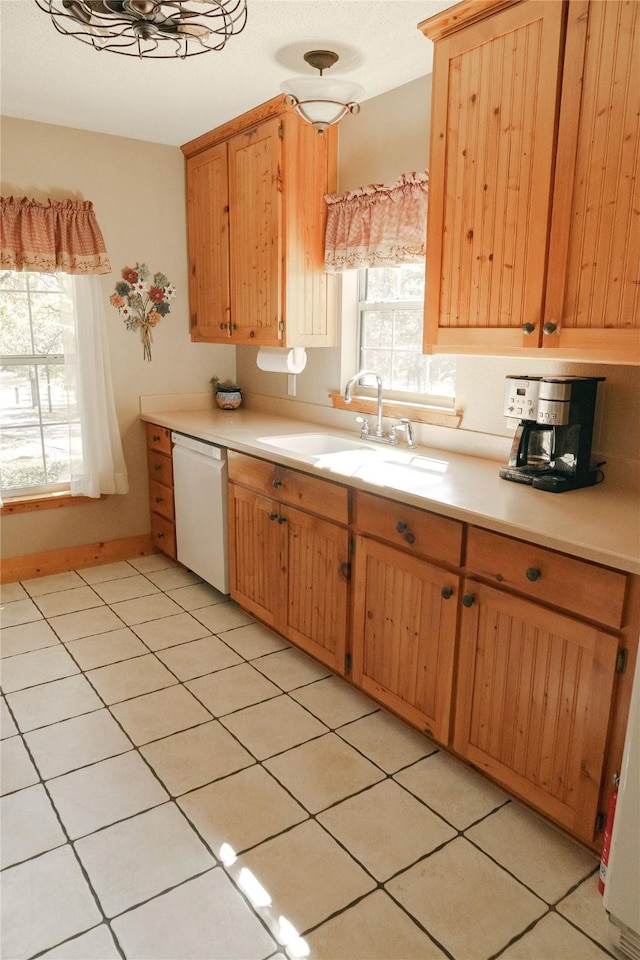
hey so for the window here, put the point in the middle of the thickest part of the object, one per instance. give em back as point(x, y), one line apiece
point(390, 311)
point(38, 405)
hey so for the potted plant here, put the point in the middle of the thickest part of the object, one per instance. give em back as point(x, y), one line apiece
point(227, 393)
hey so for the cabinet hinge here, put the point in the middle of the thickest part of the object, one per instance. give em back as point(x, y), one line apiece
point(621, 660)
point(281, 326)
point(347, 663)
point(600, 821)
point(281, 131)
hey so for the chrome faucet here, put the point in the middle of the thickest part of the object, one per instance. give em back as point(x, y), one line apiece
point(379, 434)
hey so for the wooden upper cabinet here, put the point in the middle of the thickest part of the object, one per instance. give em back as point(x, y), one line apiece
point(208, 242)
point(257, 215)
point(256, 238)
point(593, 290)
point(533, 238)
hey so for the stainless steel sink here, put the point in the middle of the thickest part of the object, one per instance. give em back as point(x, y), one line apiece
point(314, 444)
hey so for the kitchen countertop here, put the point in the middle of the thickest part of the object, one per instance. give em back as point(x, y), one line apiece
point(600, 523)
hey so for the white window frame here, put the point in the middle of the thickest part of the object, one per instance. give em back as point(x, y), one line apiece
point(34, 360)
point(352, 304)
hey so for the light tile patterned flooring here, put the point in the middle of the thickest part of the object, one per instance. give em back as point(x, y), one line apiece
point(178, 782)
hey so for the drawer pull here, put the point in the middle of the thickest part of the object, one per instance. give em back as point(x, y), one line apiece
point(401, 526)
point(156, 437)
point(446, 593)
point(532, 574)
point(157, 466)
point(277, 483)
point(160, 536)
point(273, 516)
point(159, 499)
point(468, 600)
point(410, 538)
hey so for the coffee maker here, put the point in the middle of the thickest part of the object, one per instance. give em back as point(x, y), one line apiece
point(551, 448)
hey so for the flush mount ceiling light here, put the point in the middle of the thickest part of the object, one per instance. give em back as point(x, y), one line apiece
point(149, 28)
point(319, 100)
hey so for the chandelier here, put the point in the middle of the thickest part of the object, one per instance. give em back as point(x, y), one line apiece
point(319, 100)
point(149, 28)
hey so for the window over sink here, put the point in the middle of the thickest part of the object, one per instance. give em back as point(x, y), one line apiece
point(390, 316)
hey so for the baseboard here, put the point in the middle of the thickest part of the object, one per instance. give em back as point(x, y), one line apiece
point(74, 558)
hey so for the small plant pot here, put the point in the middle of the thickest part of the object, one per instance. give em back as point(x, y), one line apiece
point(228, 399)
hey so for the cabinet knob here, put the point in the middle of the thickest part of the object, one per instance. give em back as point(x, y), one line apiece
point(468, 600)
point(157, 466)
point(156, 437)
point(277, 483)
point(532, 574)
point(410, 538)
point(528, 328)
point(282, 519)
point(549, 327)
point(159, 499)
point(401, 526)
point(345, 571)
point(223, 326)
point(160, 536)
point(446, 593)
point(273, 516)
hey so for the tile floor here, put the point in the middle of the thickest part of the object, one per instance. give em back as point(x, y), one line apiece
point(178, 782)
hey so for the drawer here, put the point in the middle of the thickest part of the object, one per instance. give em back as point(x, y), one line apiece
point(329, 500)
point(160, 468)
point(423, 533)
point(163, 534)
point(161, 499)
point(159, 438)
point(578, 586)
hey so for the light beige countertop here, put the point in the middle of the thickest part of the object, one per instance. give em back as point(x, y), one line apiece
point(600, 523)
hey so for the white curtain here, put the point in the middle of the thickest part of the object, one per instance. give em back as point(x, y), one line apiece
point(97, 460)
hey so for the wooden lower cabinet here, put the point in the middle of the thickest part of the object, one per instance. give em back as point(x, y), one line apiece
point(291, 569)
point(254, 554)
point(161, 503)
point(404, 631)
point(534, 695)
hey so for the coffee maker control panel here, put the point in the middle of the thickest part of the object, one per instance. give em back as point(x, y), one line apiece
point(521, 397)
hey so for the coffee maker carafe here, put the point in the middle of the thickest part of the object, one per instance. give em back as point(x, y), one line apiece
point(531, 449)
point(551, 448)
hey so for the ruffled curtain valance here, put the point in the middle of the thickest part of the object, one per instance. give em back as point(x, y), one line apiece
point(58, 235)
point(377, 226)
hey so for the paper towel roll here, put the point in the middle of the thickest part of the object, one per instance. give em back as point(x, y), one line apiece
point(282, 360)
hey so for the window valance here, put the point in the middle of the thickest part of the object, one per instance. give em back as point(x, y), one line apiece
point(57, 235)
point(377, 226)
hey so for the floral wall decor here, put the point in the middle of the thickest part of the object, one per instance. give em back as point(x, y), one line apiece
point(142, 302)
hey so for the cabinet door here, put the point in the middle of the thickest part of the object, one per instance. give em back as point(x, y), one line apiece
point(404, 634)
point(318, 572)
point(492, 150)
point(208, 240)
point(593, 296)
point(533, 702)
point(254, 554)
point(255, 195)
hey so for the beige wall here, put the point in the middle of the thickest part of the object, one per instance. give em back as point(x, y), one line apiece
point(138, 192)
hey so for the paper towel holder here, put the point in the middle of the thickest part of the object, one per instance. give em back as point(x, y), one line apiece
point(291, 360)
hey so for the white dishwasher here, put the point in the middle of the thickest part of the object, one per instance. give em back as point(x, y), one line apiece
point(201, 510)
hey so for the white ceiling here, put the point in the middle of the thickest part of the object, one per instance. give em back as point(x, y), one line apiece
point(57, 79)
